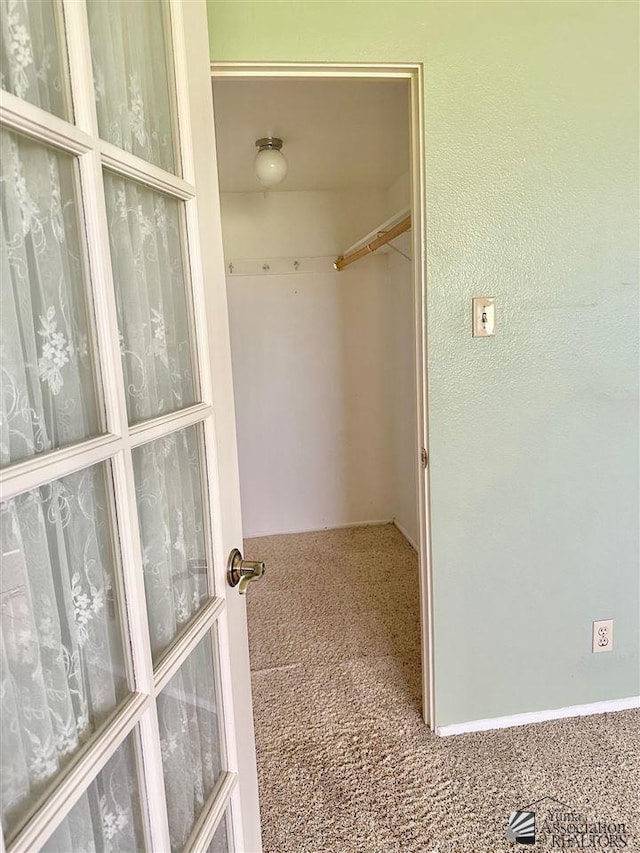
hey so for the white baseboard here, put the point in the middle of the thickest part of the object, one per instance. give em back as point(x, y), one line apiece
point(539, 716)
point(286, 532)
point(405, 534)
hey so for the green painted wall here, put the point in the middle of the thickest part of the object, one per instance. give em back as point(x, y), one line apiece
point(531, 124)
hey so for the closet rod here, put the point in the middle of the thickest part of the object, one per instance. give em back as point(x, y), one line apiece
point(402, 226)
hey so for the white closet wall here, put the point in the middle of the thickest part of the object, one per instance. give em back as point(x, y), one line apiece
point(398, 195)
point(312, 373)
point(404, 431)
point(322, 363)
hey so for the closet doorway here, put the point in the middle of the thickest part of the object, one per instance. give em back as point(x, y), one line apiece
point(328, 350)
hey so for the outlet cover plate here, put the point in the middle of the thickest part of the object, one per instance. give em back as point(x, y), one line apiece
point(602, 636)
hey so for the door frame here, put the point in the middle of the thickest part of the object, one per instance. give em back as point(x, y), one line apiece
point(413, 72)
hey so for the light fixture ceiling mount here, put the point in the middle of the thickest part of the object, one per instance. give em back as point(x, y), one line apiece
point(270, 164)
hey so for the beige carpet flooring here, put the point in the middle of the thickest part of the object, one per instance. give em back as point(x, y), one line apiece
point(345, 762)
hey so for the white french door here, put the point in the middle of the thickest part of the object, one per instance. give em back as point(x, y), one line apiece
point(125, 705)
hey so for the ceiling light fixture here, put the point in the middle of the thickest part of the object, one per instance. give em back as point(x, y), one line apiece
point(270, 164)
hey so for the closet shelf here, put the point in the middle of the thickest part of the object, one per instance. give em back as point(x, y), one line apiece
point(383, 234)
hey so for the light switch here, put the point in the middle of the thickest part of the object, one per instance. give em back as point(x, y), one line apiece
point(484, 316)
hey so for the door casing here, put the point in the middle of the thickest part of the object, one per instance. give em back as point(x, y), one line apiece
point(413, 73)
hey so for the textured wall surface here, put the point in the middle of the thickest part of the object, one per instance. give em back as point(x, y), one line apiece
point(531, 123)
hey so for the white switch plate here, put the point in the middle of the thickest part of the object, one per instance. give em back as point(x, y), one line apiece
point(602, 636)
point(484, 316)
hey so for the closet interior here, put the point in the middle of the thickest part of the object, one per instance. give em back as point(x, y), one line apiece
point(321, 302)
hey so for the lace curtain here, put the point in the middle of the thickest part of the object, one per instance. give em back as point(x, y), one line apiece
point(31, 56)
point(48, 396)
point(62, 662)
point(153, 313)
point(62, 655)
point(111, 803)
point(171, 524)
point(220, 840)
point(134, 110)
point(188, 722)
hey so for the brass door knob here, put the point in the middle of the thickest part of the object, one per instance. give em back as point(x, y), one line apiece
point(241, 572)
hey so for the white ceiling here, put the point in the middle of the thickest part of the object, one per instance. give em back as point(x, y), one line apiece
point(337, 134)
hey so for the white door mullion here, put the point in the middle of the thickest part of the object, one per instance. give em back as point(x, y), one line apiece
point(138, 623)
point(127, 164)
point(182, 90)
point(23, 117)
point(198, 301)
point(80, 66)
point(117, 419)
point(132, 593)
point(155, 794)
point(45, 467)
point(147, 431)
point(191, 207)
point(134, 612)
point(180, 649)
point(229, 734)
point(61, 27)
point(103, 293)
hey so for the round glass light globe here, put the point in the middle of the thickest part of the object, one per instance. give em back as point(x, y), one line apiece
point(270, 166)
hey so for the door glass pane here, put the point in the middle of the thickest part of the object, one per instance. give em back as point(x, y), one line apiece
point(145, 236)
point(108, 817)
point(48, 387)
point(168, 476)
point(190, 741)
point(33, 56)
point(220, 840)
point(62, 659)
point(132, 78)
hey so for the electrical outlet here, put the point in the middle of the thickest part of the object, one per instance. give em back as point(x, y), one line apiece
point(602, 636)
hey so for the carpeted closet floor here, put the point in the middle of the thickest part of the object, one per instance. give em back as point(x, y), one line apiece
point(345, 762)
